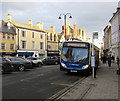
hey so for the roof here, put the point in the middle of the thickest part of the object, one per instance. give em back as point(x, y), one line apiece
point(4, 28)
point(107, 27)
point(114, 14)
point(27, 26)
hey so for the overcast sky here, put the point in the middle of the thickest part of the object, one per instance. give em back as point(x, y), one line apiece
point(92, 16)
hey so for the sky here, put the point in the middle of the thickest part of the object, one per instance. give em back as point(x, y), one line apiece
point(91, 16)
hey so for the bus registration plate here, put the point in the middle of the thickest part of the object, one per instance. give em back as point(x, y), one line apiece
point(73, 70)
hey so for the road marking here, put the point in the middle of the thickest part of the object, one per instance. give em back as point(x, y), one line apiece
point(60, 84)
point(65, 90)
point(31, 77)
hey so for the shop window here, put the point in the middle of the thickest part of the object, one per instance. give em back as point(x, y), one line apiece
point(41, 45)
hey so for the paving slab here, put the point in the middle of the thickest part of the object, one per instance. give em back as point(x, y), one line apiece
point(104, 86)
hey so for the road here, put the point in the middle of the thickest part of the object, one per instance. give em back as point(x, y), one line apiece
point(38, 83)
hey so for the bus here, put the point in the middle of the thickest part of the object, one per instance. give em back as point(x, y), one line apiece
point(76, 56)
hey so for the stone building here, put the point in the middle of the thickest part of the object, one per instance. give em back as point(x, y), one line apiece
point(107, 40)
point(115, 33)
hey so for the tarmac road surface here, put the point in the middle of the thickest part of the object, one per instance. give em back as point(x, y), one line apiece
point(38, 83)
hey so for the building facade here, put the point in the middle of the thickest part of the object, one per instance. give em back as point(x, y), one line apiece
point(30, 40)
point(115, 33)
point(52, 42)
point(7, 39)
point(74, 33)
point(71, 34)
point(107, 40)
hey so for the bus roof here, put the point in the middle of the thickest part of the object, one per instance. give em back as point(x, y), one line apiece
point(81, 42)
point(78, 41)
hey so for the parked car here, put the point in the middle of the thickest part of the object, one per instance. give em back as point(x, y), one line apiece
point(51, 60)
point(20, 64)
point(37, 61)
point(6, 66)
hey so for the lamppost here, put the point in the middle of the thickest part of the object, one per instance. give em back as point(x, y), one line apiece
point(95, 36)
point(65, 15)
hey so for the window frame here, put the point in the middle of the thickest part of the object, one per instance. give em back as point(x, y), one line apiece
point(23, 32)
point(2, 46)
point(12, 47)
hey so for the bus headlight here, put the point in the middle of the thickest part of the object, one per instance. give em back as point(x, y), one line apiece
point(85, 67)
point(63, 65)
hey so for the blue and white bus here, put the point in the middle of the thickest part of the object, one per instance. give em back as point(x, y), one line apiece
point(76, 56)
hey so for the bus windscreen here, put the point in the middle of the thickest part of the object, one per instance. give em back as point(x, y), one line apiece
point(74, 54)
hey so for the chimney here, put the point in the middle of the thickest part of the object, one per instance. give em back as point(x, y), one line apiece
point(30, 22)
point(75, 29)
point(40, 25)
point(68, 23)
point(9, 17)
point(75, 26)
point(52, 28)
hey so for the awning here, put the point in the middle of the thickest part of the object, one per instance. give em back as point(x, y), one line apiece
point(8, 53)
point(25, 53)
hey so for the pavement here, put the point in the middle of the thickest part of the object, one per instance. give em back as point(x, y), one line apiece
point(103, 87)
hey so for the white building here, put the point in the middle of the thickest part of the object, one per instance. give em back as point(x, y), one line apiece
point(115, 33)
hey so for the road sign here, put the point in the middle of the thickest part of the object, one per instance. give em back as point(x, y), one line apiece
point(95, 35)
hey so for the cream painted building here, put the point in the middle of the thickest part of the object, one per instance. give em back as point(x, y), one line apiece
point(30, 40)
point(52, 42)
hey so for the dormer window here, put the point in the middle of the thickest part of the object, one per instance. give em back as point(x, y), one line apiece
point(4, 35)
point(8, 36)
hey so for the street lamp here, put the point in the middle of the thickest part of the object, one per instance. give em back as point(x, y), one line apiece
point(65, 15)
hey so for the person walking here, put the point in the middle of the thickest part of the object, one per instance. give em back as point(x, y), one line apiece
point(118, 61)
point(113, 58)
point(104, 59)
point(109, 60)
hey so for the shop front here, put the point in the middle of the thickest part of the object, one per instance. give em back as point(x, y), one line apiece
point(52, 53)
point(8, 53)
point(30, 53)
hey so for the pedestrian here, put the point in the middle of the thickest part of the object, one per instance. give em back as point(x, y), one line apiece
point(104, 59)
point(109, 60)
point(113, 58)
point(118, 61)
point(101, 58)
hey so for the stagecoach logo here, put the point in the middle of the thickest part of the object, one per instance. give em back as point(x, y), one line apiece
point(74, 64)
